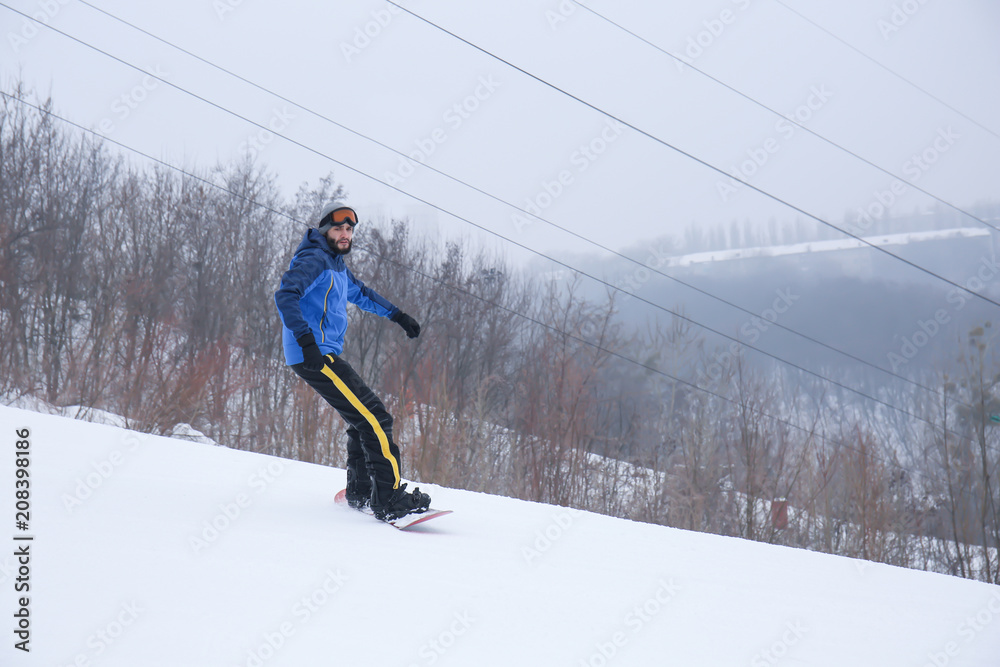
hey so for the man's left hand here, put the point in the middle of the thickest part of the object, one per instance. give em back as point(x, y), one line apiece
point(410, 325)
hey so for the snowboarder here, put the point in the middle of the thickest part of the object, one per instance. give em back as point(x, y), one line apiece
point(312, 304)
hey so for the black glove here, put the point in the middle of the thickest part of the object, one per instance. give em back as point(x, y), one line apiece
point(410, 325)
point(312, 358)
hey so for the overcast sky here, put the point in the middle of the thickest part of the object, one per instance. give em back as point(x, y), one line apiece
point(912, 86)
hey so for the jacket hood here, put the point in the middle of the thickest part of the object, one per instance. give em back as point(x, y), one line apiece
point(313, 239)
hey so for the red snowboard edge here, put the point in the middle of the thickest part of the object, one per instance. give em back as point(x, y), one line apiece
point(404, 523)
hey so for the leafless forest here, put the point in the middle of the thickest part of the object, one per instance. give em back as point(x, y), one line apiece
point(148, 292)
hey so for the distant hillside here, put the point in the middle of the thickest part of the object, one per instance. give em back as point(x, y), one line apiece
point(839, 291)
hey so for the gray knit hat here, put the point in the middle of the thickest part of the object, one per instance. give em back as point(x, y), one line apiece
point(335, 214)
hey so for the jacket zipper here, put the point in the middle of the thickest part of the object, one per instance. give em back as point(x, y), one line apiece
point(322, 321)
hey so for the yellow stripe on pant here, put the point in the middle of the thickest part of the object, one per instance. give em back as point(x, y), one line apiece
point(369, 417)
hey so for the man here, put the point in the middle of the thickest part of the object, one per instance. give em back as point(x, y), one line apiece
point(312, 303)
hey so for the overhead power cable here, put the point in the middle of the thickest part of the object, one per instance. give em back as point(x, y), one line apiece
point(518, 244)
point(443, 210)
point(536, 216)
point(881, 66)
point(693, 157)
point(790, 119)
point(809, 433)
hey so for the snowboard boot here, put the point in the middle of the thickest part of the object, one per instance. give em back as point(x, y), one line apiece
point(400, 503)
point(359, 490)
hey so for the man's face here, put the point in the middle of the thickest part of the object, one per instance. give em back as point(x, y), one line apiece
point(340, 237)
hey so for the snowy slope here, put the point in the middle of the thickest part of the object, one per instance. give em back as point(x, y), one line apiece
point(152, 551)
point(825, 246)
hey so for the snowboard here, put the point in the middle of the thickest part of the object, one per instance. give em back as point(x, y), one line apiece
point(402, 523)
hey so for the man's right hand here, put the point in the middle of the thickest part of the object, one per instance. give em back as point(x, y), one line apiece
point(312, 358)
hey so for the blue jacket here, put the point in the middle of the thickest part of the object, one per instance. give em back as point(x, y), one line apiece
point(313, 298)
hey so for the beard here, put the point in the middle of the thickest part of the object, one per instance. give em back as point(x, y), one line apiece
point(340, 250)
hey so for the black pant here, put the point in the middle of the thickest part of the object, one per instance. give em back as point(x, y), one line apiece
point(371, 453)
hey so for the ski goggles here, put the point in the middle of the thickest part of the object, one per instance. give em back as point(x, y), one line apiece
point(339, 216)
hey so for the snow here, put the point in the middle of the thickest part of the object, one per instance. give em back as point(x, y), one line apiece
point(881, 240)
point(156, 551)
